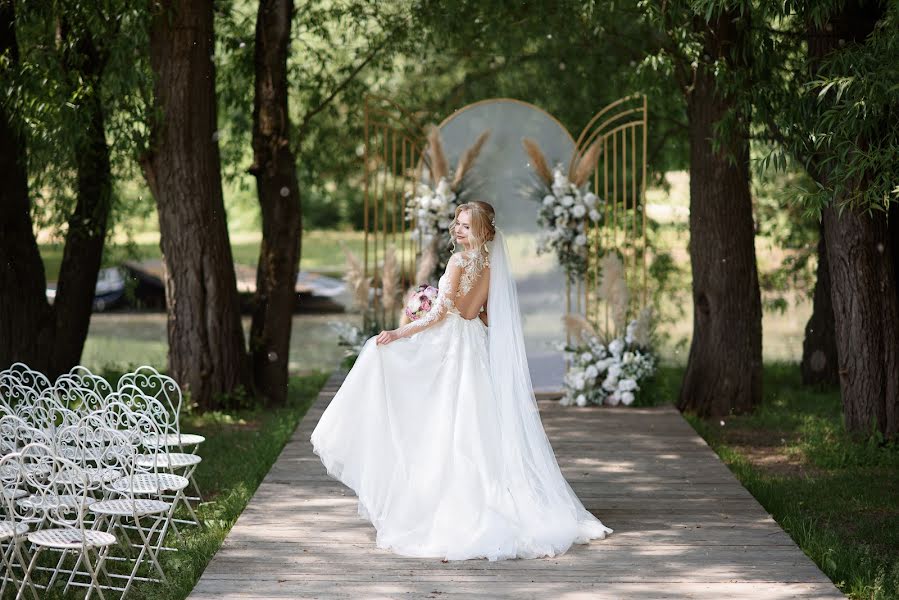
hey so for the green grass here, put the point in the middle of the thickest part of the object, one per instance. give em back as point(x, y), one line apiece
point(240, 448)
point(838, 498)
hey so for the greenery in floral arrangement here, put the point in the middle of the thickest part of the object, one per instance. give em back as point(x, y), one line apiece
point(609, 366)
point(566, 208)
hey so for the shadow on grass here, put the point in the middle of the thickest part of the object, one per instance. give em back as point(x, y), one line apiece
point(841, 501)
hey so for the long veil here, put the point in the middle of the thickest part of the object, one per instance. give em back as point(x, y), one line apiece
point(528, 460)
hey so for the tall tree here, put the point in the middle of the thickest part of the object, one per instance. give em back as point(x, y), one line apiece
point(183, 170)
point(724, 368)
point(274, 166)
point(23, 306)
point(860, 241)
point(51, 338)
point(300, 134)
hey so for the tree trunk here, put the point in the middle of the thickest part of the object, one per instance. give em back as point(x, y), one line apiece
point(863, 273)
point(24, 312)
point(274, 166)
point(724, 369)
point(866, 311)
point(86, 234)
point(819, 348)
point(51, 339)
point(183, 170)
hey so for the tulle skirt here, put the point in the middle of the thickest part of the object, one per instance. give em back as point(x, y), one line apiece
point(413, 432)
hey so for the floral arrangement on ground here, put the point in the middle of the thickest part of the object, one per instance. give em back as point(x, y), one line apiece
point(609, 367)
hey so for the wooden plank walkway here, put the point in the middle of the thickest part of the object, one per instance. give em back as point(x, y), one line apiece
point(684, 527)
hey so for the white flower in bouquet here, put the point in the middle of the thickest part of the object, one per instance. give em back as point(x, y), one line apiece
point(567, 201)
point(603, 364)
point(559, 179)
point(627, 358)
point(581, 240)
point(610, 384)
point(444, 224)
point(616, 347)
point(591, 372)
point(579, 211)
point(424, 204)
point(443, 188)
point(627, 398)
point(613, 399)
point(590, 199)
point(549, 200)
point(594, 215)
point(580, 383)
point(581, 400)
point(627, 385)
point(614, 371)
point(558, 211)
point(586, 357)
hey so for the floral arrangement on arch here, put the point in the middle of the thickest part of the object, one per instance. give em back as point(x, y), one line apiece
point(432, 209)
point(609, 367)
point(566, 208)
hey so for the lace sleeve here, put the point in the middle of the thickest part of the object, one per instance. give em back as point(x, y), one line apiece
point(442, 303)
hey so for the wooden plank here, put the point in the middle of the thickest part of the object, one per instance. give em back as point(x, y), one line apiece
point(684, 527)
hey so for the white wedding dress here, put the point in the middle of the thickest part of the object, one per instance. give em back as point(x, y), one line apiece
point(439, 435)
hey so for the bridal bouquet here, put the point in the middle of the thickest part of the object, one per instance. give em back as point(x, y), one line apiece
point(566, 208)
point(420, 301)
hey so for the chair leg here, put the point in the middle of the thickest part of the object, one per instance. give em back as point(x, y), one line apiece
point(95, 581)
point(26, 579)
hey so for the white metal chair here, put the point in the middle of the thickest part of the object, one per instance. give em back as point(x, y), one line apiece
point(60, 500)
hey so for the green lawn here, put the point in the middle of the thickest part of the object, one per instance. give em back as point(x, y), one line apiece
point(837, 498)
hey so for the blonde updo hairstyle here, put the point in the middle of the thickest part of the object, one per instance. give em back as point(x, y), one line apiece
point(483, 223)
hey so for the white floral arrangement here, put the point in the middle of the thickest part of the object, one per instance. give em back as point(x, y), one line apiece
point(432, 210)
point(609, 366)
point(609, 373)
point(565, 215)
point(566, 207)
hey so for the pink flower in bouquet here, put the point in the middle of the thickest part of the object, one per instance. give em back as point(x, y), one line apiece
point(420, 301)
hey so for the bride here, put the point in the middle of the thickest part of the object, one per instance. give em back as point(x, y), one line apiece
point(436, 428)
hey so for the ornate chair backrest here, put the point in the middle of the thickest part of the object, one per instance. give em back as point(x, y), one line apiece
point(146, 404)
point(79, 394)
point(16, 433)
point(153, 383)
point(60, 488)
point(90, 381)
